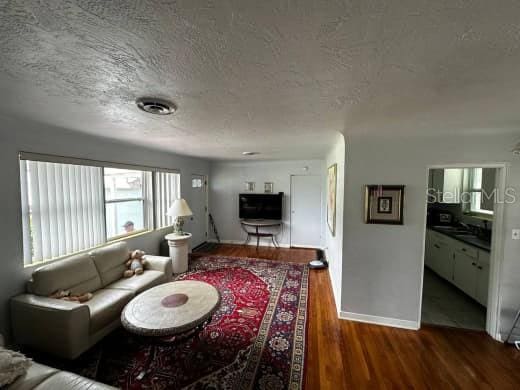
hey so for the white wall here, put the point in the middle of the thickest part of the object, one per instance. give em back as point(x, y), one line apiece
point(16, 136)
point(334, 244)
point(227, 181)
point(382, 264)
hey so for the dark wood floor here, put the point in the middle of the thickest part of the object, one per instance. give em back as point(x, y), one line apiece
point(349, 355)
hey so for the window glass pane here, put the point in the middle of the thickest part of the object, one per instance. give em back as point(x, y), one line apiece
point(476, 179)
point(124, 217)
point(123, 184)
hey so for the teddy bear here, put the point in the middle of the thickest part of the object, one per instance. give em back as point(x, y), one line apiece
point(67, 296)
point(135, 264)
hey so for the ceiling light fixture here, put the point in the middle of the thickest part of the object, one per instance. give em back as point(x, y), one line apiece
point(250, 153)
point(156, 106)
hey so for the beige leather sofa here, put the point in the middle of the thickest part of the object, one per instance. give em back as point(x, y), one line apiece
point(67, 329)
point(40, 377)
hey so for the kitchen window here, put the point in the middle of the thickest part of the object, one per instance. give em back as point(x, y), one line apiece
point(480, 184)
point(70, 205)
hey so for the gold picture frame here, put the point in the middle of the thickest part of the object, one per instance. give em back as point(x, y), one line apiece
point(331, 197)
point(384, 204)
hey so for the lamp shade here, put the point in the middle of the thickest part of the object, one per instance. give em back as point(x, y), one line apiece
point(179, 208)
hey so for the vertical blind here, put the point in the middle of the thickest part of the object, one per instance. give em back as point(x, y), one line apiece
point(167, 189)
point(62, 209)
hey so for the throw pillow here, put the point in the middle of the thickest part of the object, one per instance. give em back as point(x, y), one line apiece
point(12, 365)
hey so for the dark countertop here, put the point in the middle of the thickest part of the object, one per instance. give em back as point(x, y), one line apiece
point(473, 240)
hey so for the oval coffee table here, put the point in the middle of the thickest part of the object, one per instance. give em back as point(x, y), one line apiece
point(171, 308)
point(170, 312)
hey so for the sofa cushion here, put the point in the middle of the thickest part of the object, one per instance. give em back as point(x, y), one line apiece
point(76, 273)
point(36, 374)
point(106, 306)
point(139, 283)
point(68, 380)
point(110, 261)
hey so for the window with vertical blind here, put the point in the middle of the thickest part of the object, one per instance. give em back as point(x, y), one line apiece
point(167, 189)
point(70, 205)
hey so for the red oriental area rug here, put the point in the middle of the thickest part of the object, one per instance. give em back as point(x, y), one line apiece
point(256, 339)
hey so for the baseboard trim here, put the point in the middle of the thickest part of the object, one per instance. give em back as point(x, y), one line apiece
point(376, 320)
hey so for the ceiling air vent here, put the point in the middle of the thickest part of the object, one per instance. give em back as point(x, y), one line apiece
point(156, 106)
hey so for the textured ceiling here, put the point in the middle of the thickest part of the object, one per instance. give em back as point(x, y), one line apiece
point(279, 77)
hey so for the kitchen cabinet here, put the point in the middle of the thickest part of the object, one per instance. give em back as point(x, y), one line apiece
point(482, 278)
point(447, 183)
point(465, 273)
point(464, 265)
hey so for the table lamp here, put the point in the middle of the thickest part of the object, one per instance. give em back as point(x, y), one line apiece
point(178, 210)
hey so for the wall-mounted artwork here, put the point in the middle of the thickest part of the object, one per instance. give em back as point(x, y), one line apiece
point(250, 186)
point(268, 187)
point(331, 198)
point(384, 204)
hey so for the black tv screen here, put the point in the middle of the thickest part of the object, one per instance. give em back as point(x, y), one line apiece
point(260, 206)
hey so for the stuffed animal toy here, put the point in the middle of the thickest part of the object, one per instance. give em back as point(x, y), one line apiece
point(136, 264)
point(66, 296)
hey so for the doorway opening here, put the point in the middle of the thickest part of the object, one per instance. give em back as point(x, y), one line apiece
point(461, 249)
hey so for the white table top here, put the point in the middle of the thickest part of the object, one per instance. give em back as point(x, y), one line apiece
point(170, 308)
point(177, 237)
point(260, 222)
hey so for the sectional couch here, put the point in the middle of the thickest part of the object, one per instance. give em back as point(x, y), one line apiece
point(67, 329)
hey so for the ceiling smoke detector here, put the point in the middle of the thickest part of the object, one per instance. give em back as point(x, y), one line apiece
point(156, 106)
point(250, 153)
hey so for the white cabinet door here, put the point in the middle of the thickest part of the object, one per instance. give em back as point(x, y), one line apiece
point(445, 262)
point(465, 273)
point(482, 277)
point(441, 258)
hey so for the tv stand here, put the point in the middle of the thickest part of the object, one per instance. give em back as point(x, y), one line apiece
point(253, 229)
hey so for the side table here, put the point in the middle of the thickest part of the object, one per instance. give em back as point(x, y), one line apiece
point(178, 244)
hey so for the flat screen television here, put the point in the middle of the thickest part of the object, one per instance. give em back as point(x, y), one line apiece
point(260, 206)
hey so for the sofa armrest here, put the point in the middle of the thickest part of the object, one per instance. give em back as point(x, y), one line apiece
point(160, 263)
point(55, 326)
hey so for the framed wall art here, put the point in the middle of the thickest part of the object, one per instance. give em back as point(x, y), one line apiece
point(249, 186)
point(268, 187)
point(384, 204)
point(331, 198)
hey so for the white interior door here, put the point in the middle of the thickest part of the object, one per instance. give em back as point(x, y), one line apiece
point(306, 211)
point(198, 204)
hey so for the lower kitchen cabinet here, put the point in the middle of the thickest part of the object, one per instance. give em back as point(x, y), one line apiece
point(482, 278)
point(466, 266)
point(465, 273)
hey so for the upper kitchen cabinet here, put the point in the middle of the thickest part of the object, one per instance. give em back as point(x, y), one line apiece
point(447, 183)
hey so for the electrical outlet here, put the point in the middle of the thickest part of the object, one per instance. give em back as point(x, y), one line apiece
point(515, 234)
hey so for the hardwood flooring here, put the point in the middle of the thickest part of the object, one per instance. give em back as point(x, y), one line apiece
point(350, 355)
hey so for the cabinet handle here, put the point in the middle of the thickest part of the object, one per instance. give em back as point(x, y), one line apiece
point(479, 267)
point(463, 249)
point(473, 264)
point(437, 246)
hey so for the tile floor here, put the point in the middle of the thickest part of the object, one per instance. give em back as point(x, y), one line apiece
point(444, 304)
